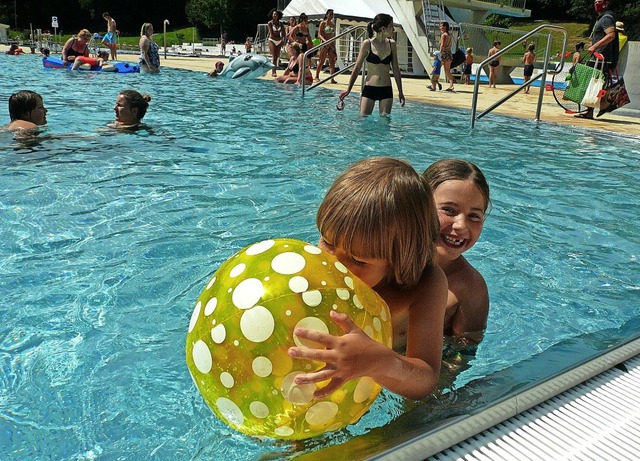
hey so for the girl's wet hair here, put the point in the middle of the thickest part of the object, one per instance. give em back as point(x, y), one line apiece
point(382, 208)
point(137, 100)
point(446, 25)
point(21, 103)
point(456, 169)
point(302, 17)
point(380, 21)
point(326, 15)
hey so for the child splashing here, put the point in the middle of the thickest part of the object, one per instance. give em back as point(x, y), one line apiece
point(379, 220)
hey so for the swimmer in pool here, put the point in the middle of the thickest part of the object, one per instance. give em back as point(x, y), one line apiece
point(461, 195)
point(378, 218)
point(130, 108)
point(217, 70)
point(26, 111)
point(381, 54)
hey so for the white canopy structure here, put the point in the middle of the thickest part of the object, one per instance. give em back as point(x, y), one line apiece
point(347, 9)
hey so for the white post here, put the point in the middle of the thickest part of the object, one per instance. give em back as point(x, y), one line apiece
point(193, 39)
point(164, 37)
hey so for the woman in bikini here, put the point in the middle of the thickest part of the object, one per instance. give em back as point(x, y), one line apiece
point(76, 46)
point(326, 31)
point(381, 55)
point(276, 37)
point(445, 52)
point(300, 33)
point(292, 74)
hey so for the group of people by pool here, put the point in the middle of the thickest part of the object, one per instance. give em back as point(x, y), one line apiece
point(401, 232)
point(27, 110)
point(76, 50)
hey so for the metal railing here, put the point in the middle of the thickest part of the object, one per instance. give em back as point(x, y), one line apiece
point(542, 76)
point(354, 39)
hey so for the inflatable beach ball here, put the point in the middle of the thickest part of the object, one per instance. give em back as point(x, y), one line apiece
point(242, 327)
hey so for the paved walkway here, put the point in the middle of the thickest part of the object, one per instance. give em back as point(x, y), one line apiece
point(521, 105)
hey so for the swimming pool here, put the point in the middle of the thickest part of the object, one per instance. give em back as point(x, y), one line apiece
point(107, 238)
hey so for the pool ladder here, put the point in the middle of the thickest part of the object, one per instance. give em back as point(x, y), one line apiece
point(356, 39)
point(543, 75)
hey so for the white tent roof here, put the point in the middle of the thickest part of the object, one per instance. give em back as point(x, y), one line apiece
point(356, 9)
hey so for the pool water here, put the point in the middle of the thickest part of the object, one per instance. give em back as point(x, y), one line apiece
point(107, 239)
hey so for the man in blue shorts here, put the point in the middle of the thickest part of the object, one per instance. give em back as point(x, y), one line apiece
point(110, 39)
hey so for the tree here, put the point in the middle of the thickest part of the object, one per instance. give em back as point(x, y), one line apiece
point(209, 13)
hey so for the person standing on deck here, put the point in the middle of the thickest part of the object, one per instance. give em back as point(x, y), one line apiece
point(110, 39)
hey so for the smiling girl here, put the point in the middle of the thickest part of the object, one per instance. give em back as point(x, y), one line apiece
point(461, 195)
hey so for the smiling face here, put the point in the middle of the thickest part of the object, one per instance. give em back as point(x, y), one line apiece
point(371, 271)
point(125, 114)
point(461, 208)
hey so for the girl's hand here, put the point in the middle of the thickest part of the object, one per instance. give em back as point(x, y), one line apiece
point(347, 357)
point(344, 94)
point(401, 98)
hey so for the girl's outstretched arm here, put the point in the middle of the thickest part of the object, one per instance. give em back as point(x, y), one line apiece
point(365, 48)
point(354, 354)
point(396, 72)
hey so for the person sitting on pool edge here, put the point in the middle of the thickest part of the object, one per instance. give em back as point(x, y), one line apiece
point(26, 111)
point(85, 63)
point(130, 108)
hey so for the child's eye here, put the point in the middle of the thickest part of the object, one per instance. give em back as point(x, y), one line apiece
point(356, 262)
point(448, 210)
point(476, 217)
point(324, 242)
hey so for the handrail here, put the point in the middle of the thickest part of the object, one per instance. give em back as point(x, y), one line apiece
point(318, 47)
point(543, 75)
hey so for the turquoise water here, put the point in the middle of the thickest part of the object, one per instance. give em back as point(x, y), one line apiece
point(107, 238)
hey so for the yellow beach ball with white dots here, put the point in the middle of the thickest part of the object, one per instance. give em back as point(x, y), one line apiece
point(242, 327)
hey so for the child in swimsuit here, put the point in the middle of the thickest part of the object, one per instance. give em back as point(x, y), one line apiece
point(377, 85)
point(493, 65)
point(528, 59)
point(435, 72)
point(461, 195)
point(468, 64)
point(388, 244)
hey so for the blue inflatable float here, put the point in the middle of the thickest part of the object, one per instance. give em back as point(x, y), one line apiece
point(119, 67)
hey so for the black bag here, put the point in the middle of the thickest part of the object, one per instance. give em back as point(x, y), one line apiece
point(458, 58)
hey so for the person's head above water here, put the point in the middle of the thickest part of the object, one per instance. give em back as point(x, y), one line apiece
point(382, 208)
point(131, 106)
point(27, 106)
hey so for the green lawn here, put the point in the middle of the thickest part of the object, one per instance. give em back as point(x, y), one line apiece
point(576, 32)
